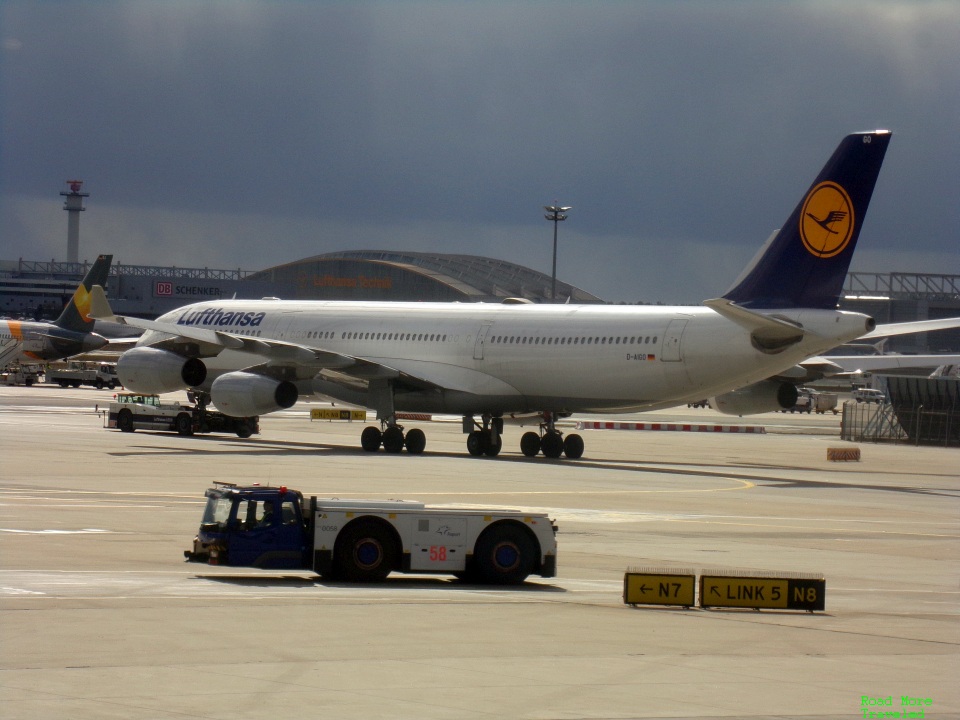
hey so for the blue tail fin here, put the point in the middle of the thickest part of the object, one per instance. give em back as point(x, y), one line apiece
point(76, 313)
point(806, 263)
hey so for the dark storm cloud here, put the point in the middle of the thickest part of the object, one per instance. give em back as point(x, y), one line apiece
point(672, 128)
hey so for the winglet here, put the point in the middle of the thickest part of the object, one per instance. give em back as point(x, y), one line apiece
point(806, 263)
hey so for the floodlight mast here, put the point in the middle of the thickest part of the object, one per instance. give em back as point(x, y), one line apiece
point(555, 215)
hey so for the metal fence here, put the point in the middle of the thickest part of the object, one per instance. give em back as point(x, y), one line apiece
point(871, 422)
point(922, 411)
point(76, 270)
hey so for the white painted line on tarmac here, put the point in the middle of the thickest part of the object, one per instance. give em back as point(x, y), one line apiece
point(84, 531)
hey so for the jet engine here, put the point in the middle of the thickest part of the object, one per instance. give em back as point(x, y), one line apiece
point(243, 394)
point(152, 370)
point(764, 396)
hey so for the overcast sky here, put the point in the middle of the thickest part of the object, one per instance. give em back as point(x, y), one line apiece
point(250, 134)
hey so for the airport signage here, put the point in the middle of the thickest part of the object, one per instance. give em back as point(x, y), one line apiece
point(778, 593)
point(332, 414)
point(659, 588)
point(168, 289)
point(331, 281)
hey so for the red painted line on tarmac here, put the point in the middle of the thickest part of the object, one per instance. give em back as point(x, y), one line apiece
point(672, 427)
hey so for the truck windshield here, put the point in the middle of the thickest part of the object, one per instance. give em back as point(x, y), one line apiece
point(139, 399)
point(217, 510)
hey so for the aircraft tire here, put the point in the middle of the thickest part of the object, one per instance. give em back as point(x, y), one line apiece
point(493, 447)
point(504, 554)
point(573, 447)
point(416, 441)
point(370, 439)
point(530, 444)
point(476, 444)
point(393, 439)
point(552, 445)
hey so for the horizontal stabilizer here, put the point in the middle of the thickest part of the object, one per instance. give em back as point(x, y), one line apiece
point(769, 333)
point(100, 307)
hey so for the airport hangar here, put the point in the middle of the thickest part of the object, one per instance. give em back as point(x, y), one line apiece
point(39, 289)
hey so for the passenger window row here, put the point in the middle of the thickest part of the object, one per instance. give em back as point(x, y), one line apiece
point(523, 340)
point(495, 340)
point(411, 337)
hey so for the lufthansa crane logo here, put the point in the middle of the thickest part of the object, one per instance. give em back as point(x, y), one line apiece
point(826, 222)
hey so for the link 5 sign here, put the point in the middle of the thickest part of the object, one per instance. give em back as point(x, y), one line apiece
point(658, 589)
point(759, 592)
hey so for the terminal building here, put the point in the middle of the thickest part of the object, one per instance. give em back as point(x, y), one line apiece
point(40, 289)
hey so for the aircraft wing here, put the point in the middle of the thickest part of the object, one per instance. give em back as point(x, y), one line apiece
point(275, 357)
point(906, 328)
point(880, 363)
point(270, 349)
point(819, 367)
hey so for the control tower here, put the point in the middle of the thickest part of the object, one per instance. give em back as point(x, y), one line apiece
point(74, 206)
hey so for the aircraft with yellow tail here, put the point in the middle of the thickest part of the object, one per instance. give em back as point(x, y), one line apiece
point(70, 334)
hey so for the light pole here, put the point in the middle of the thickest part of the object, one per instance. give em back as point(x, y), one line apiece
point(555, 215)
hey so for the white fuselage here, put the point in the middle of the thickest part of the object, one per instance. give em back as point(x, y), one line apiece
point(517, 358)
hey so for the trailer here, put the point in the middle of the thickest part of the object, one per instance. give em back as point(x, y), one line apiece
point(133, 411)
point(364, 541)
point(826, 402)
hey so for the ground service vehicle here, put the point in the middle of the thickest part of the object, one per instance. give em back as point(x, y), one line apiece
point(19, 375)
point(825, 402)
point(361, 540)
point(78, 373)
point(868, 395)
point(805, 402)
point(130, 411)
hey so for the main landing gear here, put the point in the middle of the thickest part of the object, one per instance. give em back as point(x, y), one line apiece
point(551, 441)
point(393, 439)
point(485, 438)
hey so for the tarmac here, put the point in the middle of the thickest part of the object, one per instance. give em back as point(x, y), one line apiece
point(101, 618)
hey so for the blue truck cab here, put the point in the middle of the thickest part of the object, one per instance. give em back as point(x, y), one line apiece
point(253, 526)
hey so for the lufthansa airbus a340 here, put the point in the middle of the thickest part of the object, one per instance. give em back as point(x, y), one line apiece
point(490, 362)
